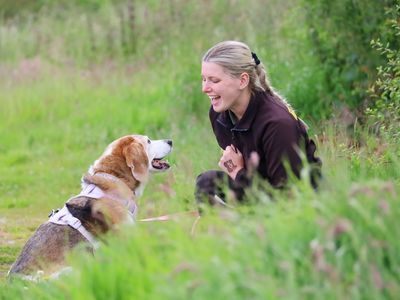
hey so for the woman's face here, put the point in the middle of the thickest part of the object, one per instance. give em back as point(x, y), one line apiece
point(223, 89)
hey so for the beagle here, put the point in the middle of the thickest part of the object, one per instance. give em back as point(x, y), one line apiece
point(107, 199)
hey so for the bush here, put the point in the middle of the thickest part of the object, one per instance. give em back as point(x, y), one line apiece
point(385, 111)
point(340, 32)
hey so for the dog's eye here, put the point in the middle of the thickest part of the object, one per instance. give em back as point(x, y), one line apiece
point(148, 141)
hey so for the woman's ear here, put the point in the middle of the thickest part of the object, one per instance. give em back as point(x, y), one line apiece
point(244, 80)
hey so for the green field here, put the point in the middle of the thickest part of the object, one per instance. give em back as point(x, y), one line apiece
point(75, 75)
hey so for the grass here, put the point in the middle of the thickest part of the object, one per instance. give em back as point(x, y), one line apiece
point(63, 103)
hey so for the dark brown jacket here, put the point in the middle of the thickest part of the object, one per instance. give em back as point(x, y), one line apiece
point(268, 128)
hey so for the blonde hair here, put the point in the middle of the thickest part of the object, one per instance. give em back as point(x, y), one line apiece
point(236, 58)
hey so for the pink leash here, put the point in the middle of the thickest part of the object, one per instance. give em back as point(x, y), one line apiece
point(176, 216)
point(171, 216)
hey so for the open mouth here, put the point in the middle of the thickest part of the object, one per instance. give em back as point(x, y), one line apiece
point(160, 164)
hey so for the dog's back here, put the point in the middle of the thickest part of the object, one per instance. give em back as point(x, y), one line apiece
point(46, 248)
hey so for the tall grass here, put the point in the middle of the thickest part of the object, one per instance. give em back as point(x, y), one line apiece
point(333, 244)
point(169, 36)
point(70, 86)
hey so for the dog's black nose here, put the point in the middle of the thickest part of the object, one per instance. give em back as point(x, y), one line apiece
point(169, 142)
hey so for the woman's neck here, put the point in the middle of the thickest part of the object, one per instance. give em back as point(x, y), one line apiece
point(240, 107)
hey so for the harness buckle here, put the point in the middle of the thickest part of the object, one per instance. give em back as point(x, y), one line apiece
point(53, 212)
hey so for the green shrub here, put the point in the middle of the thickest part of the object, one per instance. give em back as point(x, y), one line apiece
point(341, 32)
point(385, 111)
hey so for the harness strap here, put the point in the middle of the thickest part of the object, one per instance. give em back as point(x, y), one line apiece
point(90, 190)
point(93, 191)
point(64, 217)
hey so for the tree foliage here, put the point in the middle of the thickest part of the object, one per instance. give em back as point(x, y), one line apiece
point(341, 32)
point(385, 110)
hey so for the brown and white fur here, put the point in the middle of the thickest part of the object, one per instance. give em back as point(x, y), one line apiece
point(119, 177)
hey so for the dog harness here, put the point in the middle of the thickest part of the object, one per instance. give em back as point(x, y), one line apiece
point(64, 217)
point(91, 190)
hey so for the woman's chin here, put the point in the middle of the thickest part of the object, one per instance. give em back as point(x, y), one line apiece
point(218, 108)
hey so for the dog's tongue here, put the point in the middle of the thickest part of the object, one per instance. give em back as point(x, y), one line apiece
point(160, 164)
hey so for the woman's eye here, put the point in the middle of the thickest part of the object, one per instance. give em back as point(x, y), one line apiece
point(215, 80)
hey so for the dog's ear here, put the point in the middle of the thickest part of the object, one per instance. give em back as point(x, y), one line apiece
point(108, 213)
point(137, 160)
point(93, 212)
point(101, 216)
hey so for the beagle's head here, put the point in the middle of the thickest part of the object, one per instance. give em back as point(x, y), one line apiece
point(132, 158)
point(156, 151)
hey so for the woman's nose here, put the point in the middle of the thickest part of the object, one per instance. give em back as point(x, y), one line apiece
point(205, 88)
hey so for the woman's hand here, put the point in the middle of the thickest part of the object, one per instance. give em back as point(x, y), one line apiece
point(231, 161)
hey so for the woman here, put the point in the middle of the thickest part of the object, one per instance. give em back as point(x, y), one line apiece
point(253, 124)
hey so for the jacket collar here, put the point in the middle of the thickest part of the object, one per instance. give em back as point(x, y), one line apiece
point(246, 121)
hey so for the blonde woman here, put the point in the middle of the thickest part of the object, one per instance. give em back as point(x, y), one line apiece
point(248, 116)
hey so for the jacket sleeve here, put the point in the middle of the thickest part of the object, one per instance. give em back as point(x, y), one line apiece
point(280, 143)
